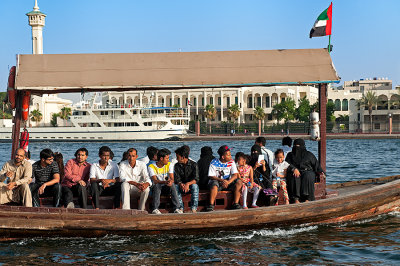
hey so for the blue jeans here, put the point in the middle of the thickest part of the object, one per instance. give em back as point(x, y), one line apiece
point(194, 190)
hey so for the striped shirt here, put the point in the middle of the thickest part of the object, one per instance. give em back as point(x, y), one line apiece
point(43, 175)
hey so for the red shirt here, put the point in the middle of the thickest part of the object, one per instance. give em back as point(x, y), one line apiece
point(75, 172)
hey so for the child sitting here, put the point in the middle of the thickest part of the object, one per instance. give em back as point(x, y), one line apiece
point(279, 173)
point(246, 176)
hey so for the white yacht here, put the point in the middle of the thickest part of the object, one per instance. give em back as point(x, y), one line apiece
point(114, 123)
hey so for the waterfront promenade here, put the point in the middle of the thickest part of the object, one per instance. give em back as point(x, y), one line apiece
point(211, 137)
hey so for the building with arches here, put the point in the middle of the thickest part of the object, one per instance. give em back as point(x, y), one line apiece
point(346, 100)
point(196, 100)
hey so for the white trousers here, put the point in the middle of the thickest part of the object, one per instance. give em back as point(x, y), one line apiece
point(128, 191)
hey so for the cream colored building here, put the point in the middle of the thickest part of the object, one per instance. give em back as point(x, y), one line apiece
point(346, 97)
point(196, 99)
point(48, 105)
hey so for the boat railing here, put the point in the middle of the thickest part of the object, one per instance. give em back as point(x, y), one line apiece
point(123, 106)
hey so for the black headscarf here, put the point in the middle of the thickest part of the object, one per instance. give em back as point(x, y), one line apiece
point(255, 152)
point(206, 157)
point(299, 151)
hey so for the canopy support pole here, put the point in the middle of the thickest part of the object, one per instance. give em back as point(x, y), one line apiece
point(17, 122)
point(322, 117)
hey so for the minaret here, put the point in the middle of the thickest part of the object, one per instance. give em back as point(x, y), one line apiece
point(36, 21)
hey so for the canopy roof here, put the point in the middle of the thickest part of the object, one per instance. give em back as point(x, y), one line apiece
point(54, 73)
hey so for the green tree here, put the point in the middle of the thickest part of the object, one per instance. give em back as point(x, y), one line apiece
point(36, 116)
point(53, 120)
point(5, 109)
point(284, 110)
point(369, 101)
point(210, 112)
point(259, 114)
point(65, 113)
point(233, 113)
point(303, 110)
point(330, 110)
point(343, 118)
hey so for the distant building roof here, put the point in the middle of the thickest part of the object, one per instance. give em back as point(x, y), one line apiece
point(53, 73)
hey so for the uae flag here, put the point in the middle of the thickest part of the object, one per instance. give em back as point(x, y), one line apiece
point(323, 24)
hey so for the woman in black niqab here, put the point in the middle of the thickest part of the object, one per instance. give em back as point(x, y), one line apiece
point(203, 163)
point(302, 187)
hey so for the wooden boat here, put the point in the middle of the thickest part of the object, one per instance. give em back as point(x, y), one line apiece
point(353, 200)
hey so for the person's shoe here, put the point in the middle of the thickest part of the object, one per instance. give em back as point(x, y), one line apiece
point(70, 205)
point(210, 208)
point(254, 206)
point(178, 211)
point(193, 210)
point(236, 206)
point(156, 211)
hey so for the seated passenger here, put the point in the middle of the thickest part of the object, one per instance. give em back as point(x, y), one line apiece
point(301, 173)
point(47, 179)
point(76, 178)
point(206, 156)
point(186, 176)
point(163, 181)
point(135, 180)
point(151, 156)
point(223, 176)
point(286, 145)
point(279, 172)
point(104, 178)
point(246, 176)
point(15, 177)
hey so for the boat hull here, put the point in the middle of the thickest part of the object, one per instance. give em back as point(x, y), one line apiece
point(65, 134)
point(22, 221)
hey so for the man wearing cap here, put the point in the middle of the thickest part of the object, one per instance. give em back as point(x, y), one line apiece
point(224, 176)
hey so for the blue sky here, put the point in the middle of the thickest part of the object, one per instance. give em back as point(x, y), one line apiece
point(366, 33)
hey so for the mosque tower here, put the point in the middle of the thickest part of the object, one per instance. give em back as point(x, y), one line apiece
point(36, 21)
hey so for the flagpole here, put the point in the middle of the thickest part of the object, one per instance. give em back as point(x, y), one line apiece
point(329, 45)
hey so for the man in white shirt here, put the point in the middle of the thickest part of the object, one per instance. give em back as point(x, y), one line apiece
point(268, 154)
point(224, 176)
point(104, 178)
point(135, 180)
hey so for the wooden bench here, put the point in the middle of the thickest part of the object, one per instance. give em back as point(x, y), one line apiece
point(223, 201)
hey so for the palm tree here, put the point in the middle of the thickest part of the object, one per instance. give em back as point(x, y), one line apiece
point(65, 113)
point(233, 113)
point(210, 112)
point(53, 120)
point(284, 110)
point(259, 115)
point(369, 101)
point(36, 116)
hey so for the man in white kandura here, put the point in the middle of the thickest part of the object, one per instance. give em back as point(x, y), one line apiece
point(135, 180)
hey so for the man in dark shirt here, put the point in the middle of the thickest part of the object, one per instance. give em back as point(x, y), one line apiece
point(47, 179)
point(186, 176)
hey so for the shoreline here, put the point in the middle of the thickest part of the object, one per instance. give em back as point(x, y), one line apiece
point(205, 137)
point(293, 136)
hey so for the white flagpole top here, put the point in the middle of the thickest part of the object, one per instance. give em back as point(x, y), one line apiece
point(36, 7)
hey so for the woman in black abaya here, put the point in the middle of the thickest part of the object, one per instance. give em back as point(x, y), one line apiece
point(302, 172)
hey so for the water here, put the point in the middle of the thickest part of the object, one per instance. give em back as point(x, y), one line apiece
point(372, 241)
